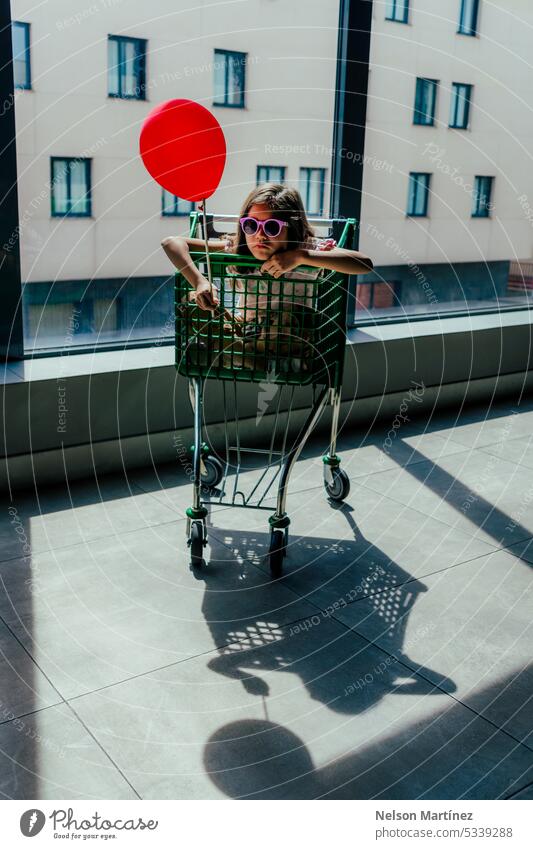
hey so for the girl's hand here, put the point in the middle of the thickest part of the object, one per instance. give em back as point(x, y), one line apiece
point(206, 296)
point(283, 261)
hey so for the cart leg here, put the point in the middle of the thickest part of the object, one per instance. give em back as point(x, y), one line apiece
point(279, 522)
point(196, 524)
point(336, 481)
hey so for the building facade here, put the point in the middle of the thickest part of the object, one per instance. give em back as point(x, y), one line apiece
point(446, 179)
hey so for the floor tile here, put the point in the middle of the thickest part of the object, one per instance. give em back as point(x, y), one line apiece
point(525, 793)
point(23, 687)
point(336, 554)
point(473, 625)
point(116, 607)
point(87, 510)
point(50, 755)
point(481, 427)
point(518, 450)
point(475, 492)
point(302, 714)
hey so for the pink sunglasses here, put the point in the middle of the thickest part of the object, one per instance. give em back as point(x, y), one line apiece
point(272, 227)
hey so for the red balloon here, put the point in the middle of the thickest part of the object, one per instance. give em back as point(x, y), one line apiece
point(183, 147)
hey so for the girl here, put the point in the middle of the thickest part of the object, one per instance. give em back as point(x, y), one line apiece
point(272, 227)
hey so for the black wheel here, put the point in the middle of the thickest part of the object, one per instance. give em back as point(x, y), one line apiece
point(276, 552)
point(339, 487)
point(197, 544)
point(214, 471)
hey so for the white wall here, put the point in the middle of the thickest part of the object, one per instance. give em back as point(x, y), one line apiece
point(289, 101)
point(499, 141)
point(291, 46)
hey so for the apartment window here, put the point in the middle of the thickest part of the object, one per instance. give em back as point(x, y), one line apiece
point(460, 105)
point(71, 187)
point(312, 189)
point(425, 100)
point(21, 54)
point(229, 78)
point(270, 174)
point(417, 202)
point(468, 17)
point(481, 205)
point(172, 205)
point(397, 10)
point(126, 67)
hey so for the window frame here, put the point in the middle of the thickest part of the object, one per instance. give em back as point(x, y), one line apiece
point(391, 16)
point(140, 58)
point(88, 178)
point(472, 30)
point(175, 213)
point(219, 51)
point(427, 187)
point(418, 95)
point(25, 26)
point(282, 168)
point(454, 106)
point(487, 208)
point(307, 170)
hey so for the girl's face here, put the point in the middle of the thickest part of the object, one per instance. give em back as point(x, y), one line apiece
point(259, 245)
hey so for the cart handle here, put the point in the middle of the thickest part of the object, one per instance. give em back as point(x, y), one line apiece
point(349, 225)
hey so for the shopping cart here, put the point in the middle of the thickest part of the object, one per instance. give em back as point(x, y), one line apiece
point(287, 332)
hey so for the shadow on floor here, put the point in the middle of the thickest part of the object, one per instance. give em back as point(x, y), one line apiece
point(447, 756)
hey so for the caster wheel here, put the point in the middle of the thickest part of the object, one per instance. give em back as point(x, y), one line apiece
point(214, 472)
point(276, 552)
point(339, 487)
point(196, 542)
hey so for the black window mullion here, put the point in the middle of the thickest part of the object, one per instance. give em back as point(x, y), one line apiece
point(226, 78)
point(120, 52)
point(69, 189)
point(11, 329)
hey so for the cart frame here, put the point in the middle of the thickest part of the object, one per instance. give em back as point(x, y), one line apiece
point(208, 346)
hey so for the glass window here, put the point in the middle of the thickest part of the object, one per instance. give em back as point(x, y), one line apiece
point(312, 190)
point(425, 100)
point(21, 54)
point(126, 73)
point(468, 17)
point(229, 78)
point(481, 206)
point(172, 205)
point(460, 105)
point(270, 174)
point(71, 187)
point(397, 10)
point(417, 203)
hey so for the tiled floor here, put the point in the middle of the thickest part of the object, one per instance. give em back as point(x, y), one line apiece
point(392, 660)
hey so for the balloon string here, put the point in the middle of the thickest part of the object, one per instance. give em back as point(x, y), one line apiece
point(208, 260)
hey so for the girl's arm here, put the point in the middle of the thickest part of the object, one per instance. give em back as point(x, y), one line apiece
point(337, 259)
point(178, 250)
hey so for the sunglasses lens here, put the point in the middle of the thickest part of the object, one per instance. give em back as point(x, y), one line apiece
point(271, 228)
point(249, 226)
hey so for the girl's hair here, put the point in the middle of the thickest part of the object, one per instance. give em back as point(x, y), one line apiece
point(288, 206)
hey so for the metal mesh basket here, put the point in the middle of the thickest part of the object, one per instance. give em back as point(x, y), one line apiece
point(287, 330)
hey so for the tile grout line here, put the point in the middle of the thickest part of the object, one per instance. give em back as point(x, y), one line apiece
point(520, 790)
point(105, 752)
point(453, 527)
point(438, 687)
point(58, 704)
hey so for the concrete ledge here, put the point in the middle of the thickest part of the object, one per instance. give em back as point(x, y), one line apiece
point(71, 416)
point(71, 462)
